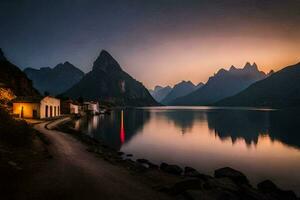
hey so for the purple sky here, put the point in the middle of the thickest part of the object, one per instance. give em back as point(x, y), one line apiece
point(158, 42)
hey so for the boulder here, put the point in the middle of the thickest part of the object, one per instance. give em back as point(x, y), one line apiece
point(267, 186)
point(136, 166)
point(210, 195)
point(141, 160)
point(248, 192)
point(147, 163)
point(152, 166)
point(191, 172)
point(222, 183)
point(172, 169)
point(271, 189)
point(186, 184)
point(236, 176)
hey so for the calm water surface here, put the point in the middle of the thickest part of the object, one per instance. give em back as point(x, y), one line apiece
point(262, 143)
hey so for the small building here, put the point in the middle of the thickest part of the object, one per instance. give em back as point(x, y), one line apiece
point(36, 107)
point(70, 107)
point(91, 107)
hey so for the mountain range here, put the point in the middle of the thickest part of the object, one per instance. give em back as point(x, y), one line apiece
point(108, 82)
point(159, 92)
point(12, 78)
point(281, 89)
point(223, 84)
point(54, 81)
point(165, 94)
point(180, 89)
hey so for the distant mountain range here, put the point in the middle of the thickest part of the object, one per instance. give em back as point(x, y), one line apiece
point(108, 82)
point(159, 92)
point(180, 89)
point(13, 78)
point(279, 90)
point(166, 94)
point(223, 84)
point(55, 81)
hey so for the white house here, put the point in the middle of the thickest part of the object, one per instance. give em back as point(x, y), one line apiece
point(91, 107)
point(36, 107)
point(70, 107)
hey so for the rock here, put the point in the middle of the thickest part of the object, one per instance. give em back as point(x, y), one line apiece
point(222, 183)
point(141, 160)
point(172, 169)
point(210, 195)
point(129, 155)
point(90, 149)
point(236, 176)
point(153, 166)
point(139, 167)
point(191, 172)
point(186, 184)
point(248, 192)
point(98, 151)
point(129, 161)
point(269, 188)
point(12, 163)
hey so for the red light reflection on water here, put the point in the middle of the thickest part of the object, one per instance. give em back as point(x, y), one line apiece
point(122, 131)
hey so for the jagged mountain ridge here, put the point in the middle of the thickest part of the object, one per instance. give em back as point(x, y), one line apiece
point(159, 92)
point(13, 78)
point(57, 80)
point(108, 82)
point(180, 89)
point(281, 89)
point(223, 84)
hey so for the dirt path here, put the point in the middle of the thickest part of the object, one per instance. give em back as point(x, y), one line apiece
point(74, 173)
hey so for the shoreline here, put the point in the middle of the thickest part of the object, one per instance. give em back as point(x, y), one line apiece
point(191, 184)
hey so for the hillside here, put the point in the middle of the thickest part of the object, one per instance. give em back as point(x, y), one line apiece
point(223, 84)
point(12, 79)
point(159, 93)
point(281, 89)
point(55, 81)
point(180, 89)
point(108, 82)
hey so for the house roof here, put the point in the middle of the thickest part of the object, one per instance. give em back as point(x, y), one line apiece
point(90, 102)
point(28, 99)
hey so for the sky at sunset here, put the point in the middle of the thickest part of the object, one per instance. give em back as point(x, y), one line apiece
point(157, 42)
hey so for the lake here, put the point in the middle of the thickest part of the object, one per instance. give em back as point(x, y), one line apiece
point(262, 143)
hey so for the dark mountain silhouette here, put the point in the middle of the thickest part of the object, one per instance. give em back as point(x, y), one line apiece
point(280, 89)
point(156, 88)
point(180, 89)
point(249, 125)
point(200, 85)
point(108, 82)
point(159, 93)
point(57, 80)
point(223, 84)
point(13, 78)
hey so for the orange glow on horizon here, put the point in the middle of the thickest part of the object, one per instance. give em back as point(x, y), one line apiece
point(197, 59)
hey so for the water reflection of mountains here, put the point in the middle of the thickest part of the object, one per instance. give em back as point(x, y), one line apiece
point(108, 127)
point(235, 124)
point(279, 125)
point(245, 124)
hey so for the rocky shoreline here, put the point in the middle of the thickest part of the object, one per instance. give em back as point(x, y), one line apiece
point(187, 183)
